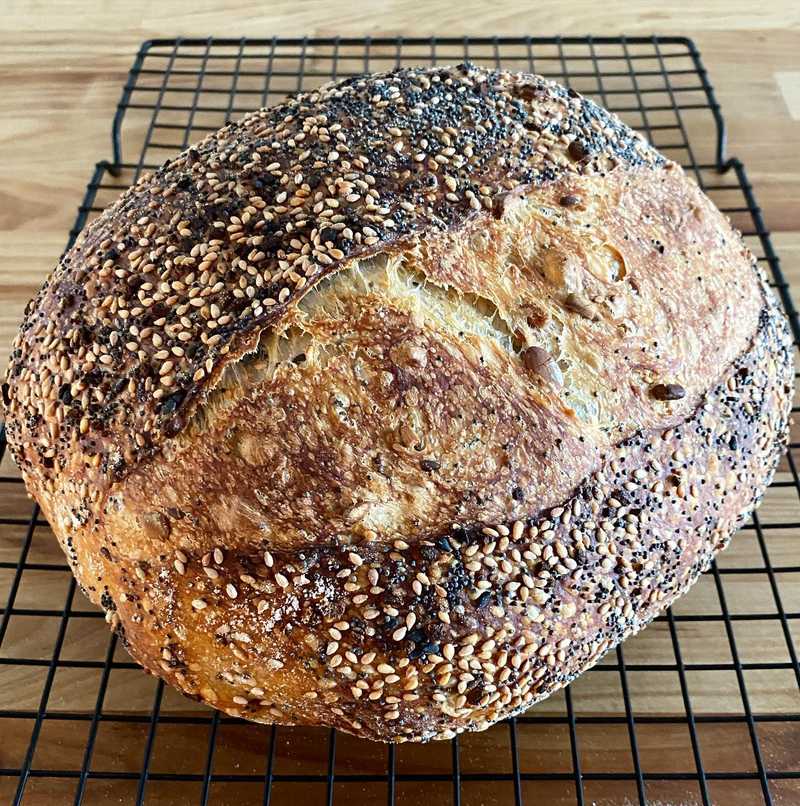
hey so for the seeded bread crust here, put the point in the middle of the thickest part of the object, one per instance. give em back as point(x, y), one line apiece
point(394, 407)
point(178, 278)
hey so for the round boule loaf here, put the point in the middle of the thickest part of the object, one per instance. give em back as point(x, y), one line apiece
point(395, 406)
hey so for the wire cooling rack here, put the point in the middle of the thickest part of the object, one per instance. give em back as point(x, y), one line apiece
point(701, 708)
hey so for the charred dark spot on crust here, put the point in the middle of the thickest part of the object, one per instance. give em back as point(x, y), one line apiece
point(501, 204)
point(578, 150)
point(173, 427)
point(527, 92)
point(668, 391)
point(172, 403)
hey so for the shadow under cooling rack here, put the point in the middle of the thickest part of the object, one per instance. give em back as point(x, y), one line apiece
point(703, 707)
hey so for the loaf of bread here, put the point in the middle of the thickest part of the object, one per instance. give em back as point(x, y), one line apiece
point(395, 406)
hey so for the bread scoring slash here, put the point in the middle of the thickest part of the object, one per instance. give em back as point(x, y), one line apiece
point(395, 406)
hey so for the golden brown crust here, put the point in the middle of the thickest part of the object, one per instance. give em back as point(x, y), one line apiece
point(180, 275)
point(402, 406)
point(454, 463)
point(412, 642)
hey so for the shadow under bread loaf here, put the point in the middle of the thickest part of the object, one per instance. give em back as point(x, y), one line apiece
point(394, 407)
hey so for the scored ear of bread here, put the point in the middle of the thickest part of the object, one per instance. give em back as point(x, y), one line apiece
point(463, 387)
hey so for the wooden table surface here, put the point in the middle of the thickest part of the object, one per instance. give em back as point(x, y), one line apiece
point(62, 66)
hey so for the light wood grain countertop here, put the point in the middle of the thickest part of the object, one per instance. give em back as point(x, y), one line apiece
point(62, 67)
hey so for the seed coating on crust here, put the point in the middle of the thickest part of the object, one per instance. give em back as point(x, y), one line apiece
point(420, 630)
point(177, 276)
point(414, 642)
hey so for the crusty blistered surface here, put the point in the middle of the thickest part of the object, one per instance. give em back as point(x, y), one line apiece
point(392, 406)
point(396, 406)
point(418, 641)
point(176, 277)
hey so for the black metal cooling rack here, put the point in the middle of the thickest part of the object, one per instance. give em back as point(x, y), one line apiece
point(702, 708)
